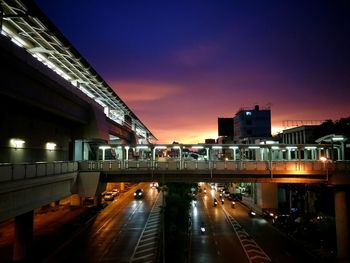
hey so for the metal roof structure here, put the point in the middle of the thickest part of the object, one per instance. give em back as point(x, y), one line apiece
point(29, 28)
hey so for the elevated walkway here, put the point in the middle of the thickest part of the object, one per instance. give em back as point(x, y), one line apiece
point(24, 187)
point(219, 171)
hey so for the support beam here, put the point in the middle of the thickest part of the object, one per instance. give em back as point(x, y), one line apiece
point(341, 222)
point(23, 237)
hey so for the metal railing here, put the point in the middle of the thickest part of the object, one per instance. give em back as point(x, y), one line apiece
point(275, 166)
point(13, 172)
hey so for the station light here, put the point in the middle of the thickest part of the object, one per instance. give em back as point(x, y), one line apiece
point(338, 138)
point(197, 147)
point(50, 146)
point(310, 147)
point(216, 147)
point(141, 147)
point(253, 147)
point(17, 143)
point(160, 147)
point(105, 147)
point(233, 147)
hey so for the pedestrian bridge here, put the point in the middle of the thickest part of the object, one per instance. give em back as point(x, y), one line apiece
point(265, 162)
point(216, 171)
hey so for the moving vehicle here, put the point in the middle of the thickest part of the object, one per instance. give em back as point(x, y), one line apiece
point(115, 192)
point(233, 203)
point(109, 196)
point(215, 202)
point(202, 228)
point(154, 185)
point(138, 194)
point(251, 213)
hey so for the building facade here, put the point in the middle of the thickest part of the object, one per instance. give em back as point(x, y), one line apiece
point(251, 124)
point(298, 135)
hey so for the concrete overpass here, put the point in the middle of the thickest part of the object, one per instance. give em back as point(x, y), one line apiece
point(25, 187)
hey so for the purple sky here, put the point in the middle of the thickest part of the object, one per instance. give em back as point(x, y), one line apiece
point(179, 65)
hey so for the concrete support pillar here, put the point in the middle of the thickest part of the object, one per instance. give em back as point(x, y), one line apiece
point(126, 153)
point(342, 151)
point(207, 153)
point(313, 154)
point(341, 223)
point(23, 237)
point(338, 154)
point(280, 155)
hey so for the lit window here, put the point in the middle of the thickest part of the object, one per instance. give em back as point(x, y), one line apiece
point(248, 113)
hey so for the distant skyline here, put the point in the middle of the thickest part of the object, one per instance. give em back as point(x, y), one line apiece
point(179, 65)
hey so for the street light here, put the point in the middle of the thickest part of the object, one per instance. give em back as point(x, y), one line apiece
point(324, 160)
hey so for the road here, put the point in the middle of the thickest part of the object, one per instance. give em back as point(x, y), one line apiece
point(232, 235)
point(127, 230)
point(113, 235)
point(218, 243)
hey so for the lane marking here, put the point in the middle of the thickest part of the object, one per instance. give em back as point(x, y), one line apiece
point(149, 236)
point(251, 248)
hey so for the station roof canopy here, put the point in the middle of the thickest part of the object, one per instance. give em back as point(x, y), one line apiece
point(331, 138)
point(30, 28)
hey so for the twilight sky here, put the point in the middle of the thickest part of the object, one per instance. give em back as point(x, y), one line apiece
point(179, 65)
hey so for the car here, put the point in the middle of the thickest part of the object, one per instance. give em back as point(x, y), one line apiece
point(115, 192)
point(154, 185)
point(282, 220)
point(226, 194)
point(194, 156)
point(108, 196)
point(138, 194)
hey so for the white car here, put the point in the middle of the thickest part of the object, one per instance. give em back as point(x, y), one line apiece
point(115, 192)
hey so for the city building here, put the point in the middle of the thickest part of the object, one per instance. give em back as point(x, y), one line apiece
point(251, 124)
point(299, 135)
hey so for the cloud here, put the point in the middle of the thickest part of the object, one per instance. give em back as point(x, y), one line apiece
point(196, 55)
point(144, 91)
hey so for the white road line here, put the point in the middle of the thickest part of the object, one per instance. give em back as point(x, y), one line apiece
point(246, 241)
point(149, 235)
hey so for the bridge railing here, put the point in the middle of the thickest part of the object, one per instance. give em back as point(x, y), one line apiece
point(274, 166)
point(13, 172)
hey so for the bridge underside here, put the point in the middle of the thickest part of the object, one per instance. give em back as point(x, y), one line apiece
point(214, 176)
